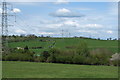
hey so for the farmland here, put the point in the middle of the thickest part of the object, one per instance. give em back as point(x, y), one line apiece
point(39, 69)
point(63, 43)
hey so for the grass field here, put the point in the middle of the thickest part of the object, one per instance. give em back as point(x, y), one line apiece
point(62, 43)
point(51, 70)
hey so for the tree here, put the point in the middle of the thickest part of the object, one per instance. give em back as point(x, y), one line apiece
point(26, 49)
point(42, 35)
point(110, 38)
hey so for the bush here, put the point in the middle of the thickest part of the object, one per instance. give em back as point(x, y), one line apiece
point(78, 59)
point(60, 56)
point(49, 59)
point(18, 57)
point(60, 59)
point(82, 49)
point(88, 60)
point(53, 53)
point(37, 59)
point(115, 59)
point(115, 63)
point(68, 56)
point(64, 59)
point(26, 49)
point(101, 55)
point(42, 59)
point(44, 56)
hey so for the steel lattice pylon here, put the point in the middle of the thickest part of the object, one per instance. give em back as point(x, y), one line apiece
point(4, 28)
point(4, 19)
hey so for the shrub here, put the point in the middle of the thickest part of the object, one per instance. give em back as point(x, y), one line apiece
point(88, 60)
point(60, 59)
point(26, 49)
point(53, 53)
point(49, 59)
point(101, 55)
point(115, 63)
point(64, 59)
point(18, 57)
point(78, 59)
point(115, 59)
point(82, 49)
point(37, 59)
point(42, 59)
point(44, 56)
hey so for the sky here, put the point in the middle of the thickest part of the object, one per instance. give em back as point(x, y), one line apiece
point(67, 19)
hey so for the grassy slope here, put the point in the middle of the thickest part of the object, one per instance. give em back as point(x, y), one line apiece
point(62, 43)
point(50, 70)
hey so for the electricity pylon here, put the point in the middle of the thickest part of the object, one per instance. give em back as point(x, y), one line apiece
point(4, 28)
point(5, 48)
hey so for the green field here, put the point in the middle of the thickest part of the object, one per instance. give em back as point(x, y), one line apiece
point(51, 70)
point(63, 43)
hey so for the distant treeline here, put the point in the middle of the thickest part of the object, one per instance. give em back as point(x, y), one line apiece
point(32, 36)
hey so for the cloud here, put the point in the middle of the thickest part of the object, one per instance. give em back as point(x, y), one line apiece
point(57, 25)
point(113, 9)
point(25, 1)
point(109, 31)
point(87, 31)
point(94, 25)
point(0, 10)
point(71, 23)
point(84, 9)
point(63, 10)
point(16, 10)
point(48, 33)
point(61, 2)
point(20, 31)
point(69, 0)
point(65, 13)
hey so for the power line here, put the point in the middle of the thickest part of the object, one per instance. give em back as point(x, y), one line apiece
point(5, 26)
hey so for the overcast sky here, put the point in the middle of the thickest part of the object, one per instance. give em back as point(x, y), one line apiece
point(89, 19)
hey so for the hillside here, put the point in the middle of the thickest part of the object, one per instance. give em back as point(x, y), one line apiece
point(64, 43)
